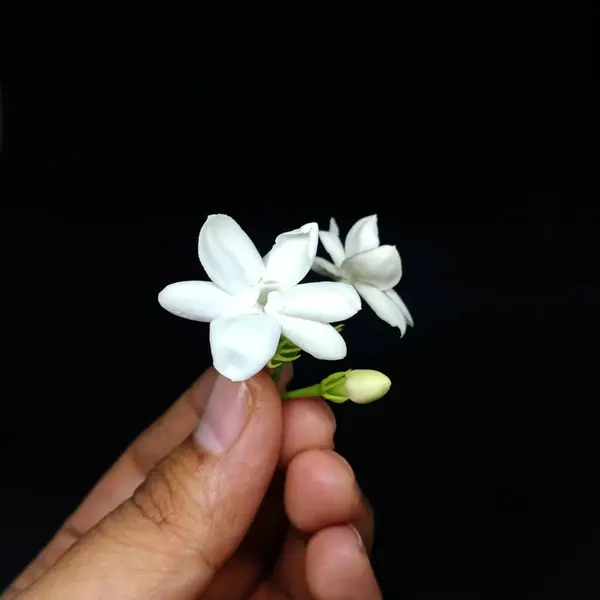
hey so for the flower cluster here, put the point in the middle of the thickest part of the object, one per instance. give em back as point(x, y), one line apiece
point(261, 314)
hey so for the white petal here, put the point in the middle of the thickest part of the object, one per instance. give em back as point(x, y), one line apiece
point(392, 294)
point(363, 235)
point(228, 255)
point(333, 227)
point(380, 267)
point(196, 300)
point(333, 246)
point(291, 257)
point(384, 307)
point(243, 345)
point(324, 267)
point(325, 302)
point(318, 339)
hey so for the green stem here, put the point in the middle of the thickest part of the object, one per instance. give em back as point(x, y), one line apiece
point(276, 374)
point(310, 391)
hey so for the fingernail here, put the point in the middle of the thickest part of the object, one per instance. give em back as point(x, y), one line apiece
point(361, 544)
point(224, 416)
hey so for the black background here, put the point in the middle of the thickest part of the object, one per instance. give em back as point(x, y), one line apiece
point(472, 135)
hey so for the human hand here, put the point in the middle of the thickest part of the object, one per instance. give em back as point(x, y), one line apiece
point(250, 504)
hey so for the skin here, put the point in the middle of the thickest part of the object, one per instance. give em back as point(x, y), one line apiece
point(278, 517)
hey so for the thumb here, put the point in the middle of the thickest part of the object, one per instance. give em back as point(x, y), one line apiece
point(190, 514)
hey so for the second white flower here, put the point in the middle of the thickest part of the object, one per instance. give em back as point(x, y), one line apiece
point(371, 268)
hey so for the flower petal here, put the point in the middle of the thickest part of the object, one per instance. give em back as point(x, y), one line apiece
point(393, 295)
point(325, 302)
point(384, 307)
point(363, 235)
point(228, 255)
point(324, 267)
point(333, 246)
point(380, 267)
point(242, 346)
point(291, 257)
point(318, 339)
point(196, 300)
point(333, 227)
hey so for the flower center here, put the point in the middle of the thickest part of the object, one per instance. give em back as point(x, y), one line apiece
point(274, 302)
point(344, 277)
point(263, 297)
point(266, 287)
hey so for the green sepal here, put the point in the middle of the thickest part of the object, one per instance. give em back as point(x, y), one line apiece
point(329, 385)
point(336, 399)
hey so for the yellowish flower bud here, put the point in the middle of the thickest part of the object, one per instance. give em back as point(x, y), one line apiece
point(361, 386)
point(364, 385)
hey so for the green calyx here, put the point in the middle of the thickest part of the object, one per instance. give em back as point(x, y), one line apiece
point(286, 352)
point(333, 387)
point(329, 388)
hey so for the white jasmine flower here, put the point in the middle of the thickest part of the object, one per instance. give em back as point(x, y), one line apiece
point(372, 269)
point(251, 301)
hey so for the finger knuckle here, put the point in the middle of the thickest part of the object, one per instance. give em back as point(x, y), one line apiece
point(166, 500)
point(170, 514)
point(155, 499)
